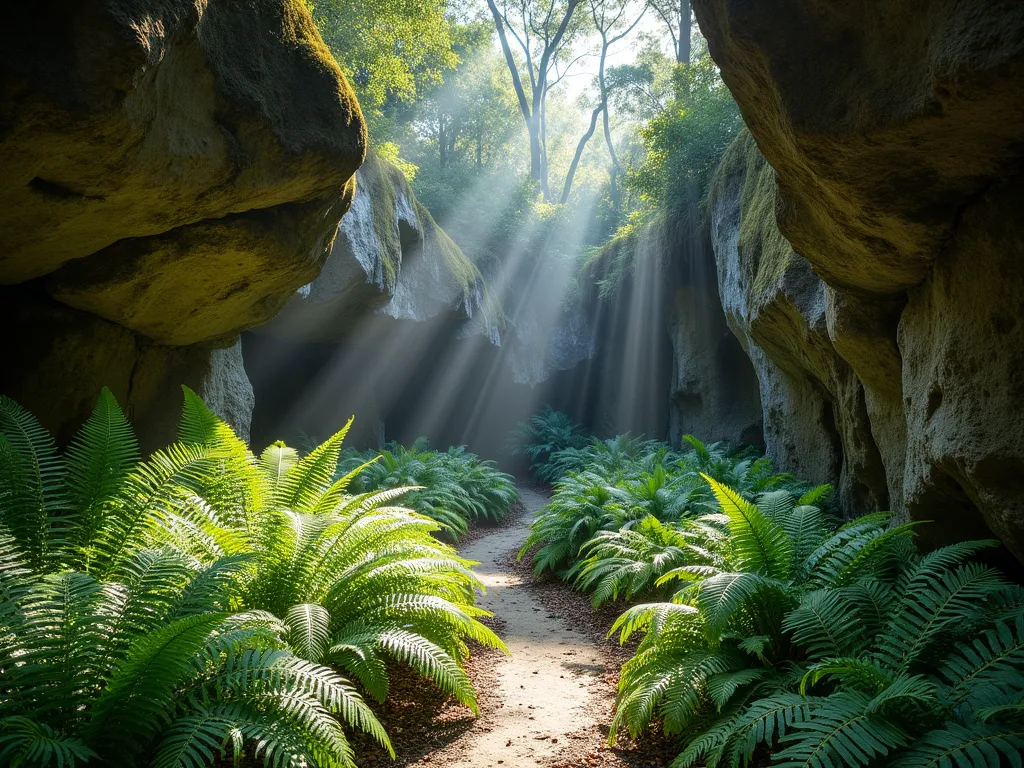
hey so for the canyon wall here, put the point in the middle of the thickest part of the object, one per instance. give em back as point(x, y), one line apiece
point(873, 267)
point(395, 297)
point(653, 297)
point(173, 172)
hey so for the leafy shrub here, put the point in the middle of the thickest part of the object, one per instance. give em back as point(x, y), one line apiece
point(546, 433)
point(166, 610)
point(455, 488)
point(828, 646)
point(685, 142)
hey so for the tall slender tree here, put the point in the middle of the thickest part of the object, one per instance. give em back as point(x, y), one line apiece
point(676, 14)
point(613, 20)
point(541, 29)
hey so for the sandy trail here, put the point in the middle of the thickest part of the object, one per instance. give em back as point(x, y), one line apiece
point(553, 677)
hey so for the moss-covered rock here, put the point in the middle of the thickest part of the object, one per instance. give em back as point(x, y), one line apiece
point(882, 118)
point(174, 169)
point(128, 119)
point(938, 432)
point(895, 131)
point(390, 256)
point(815, 423)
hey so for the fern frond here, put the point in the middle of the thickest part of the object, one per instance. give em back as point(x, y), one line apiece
point(840, 732)
point(760, 544)
point(26, 742)
point(303, 485)
point(100, 457)
point(309, 630)
point(959, 746)
point(33, 485)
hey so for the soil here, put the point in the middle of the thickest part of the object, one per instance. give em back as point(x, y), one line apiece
point(547, 704)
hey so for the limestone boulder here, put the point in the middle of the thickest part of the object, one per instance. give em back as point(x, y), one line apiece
point(204, 281)
point(665, 361)
point(896, 133)
point(815, 421)
point(146, 137)
point(173, 172)
point(389, 257)
point(882, 118)
point(66, 356)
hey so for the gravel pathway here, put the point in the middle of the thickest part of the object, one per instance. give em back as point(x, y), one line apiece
point(554, 680)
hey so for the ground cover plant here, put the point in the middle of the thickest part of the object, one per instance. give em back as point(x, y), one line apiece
point(545, 434)
point(204, 603)
point(772, 631)
point(455, 487)
point(614, 495)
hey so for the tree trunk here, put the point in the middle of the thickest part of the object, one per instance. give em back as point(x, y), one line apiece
point(581, 144)
point(683, 49)
point(613, 172)
point(545, 190)
point(532, 115)
point(535, 154)
point(442, 142)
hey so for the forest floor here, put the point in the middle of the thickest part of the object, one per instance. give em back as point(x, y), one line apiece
point(546, 704)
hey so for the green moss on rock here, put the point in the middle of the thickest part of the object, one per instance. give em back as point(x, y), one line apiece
point(764, 252)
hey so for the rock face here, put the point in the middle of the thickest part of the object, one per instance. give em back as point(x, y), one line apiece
point(66, 356)
point(665, 319)
point(895, 133)
point(176, 169)
point(390, 257)
point(395, 297)
point(815, 423)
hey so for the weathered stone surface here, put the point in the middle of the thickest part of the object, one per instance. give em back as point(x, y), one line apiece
point(174, 169)
point(167, 123)
point(66, 356)
point(666, 361)
point(962, 338)
point(203, 281)
point(883, 119)
point(715, 391)
point(389, 257)
point(815, 419)
point(895, 131)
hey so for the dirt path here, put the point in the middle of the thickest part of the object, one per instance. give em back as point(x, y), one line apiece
point(552, 684)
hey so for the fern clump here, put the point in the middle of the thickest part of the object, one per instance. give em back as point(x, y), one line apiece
point(827, 645)
point(596, 509)
point(456, 488)
point(204, 603)
point(543, 436)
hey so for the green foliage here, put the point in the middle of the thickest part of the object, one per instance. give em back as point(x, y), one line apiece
point(204, 603)
point(827, 646)
point(454, 488)
point(546, 433)
point(626, 511)
point(386, 49)
point(153, 670)
point(781, 630)
point(684, 143)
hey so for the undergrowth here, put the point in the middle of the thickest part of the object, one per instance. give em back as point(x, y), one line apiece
point(772, 631)
point(205, 603)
